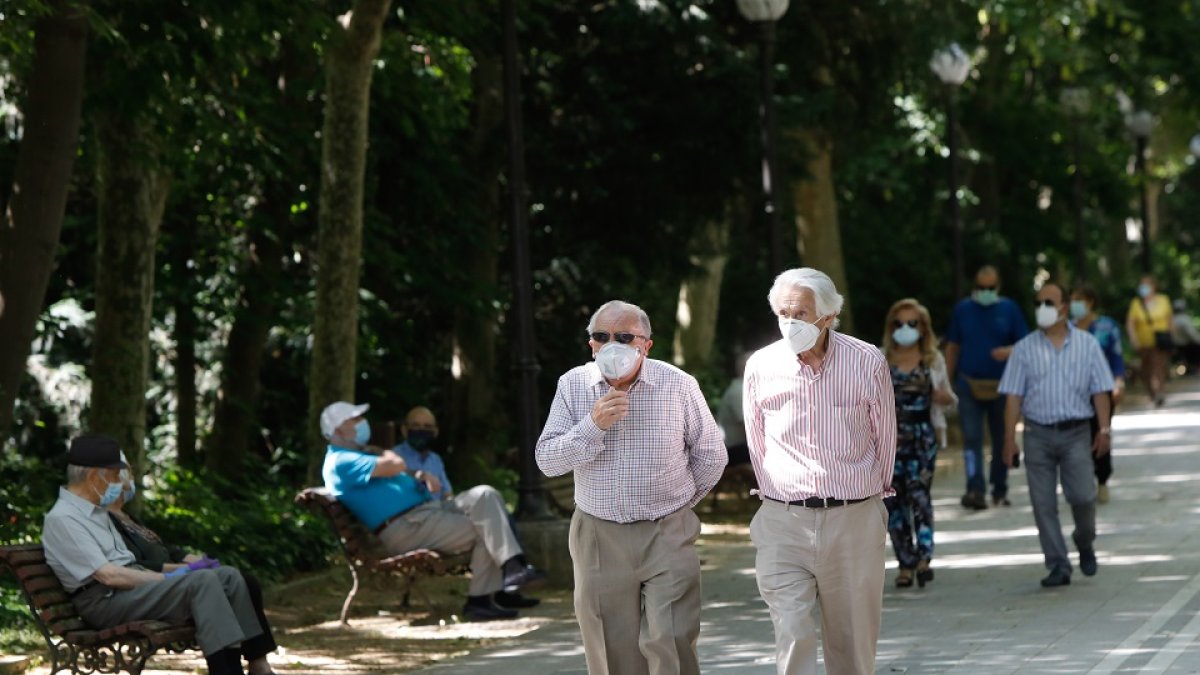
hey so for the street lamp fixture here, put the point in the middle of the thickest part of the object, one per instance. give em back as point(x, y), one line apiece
point(952, 65)
point(766, 13)
point(1077, 101)
point(1140, 124)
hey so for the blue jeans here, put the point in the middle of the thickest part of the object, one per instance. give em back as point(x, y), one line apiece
point(970, 415)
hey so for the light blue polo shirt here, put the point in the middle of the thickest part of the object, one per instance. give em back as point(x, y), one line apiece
point(347, 475)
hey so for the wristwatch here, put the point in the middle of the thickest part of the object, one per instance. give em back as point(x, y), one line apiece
point(419, 474)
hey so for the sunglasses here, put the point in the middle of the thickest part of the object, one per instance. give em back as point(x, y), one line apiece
point(911, 323)
point(986, 288)
point(1045, 303)
point(624, 338)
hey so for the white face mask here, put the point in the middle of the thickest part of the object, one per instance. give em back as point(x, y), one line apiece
point(1046, 316)
point(801, 335)
point(617, 361)
point(906, 335)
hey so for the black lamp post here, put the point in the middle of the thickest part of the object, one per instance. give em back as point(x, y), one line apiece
point(1077, 101)
point(531, 496)
point(766, 13)
point(1140, 124)
point(952, 65)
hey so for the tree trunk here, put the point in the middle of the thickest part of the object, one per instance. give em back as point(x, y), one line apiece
point(185, 348)
point(228, 445)
point(30, 227)
point(700, 292)
point(349, 65)
point(819, 236)
point(472, 419)
point(132, 192)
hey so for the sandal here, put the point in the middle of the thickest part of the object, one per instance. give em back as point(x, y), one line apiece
point(905, 578)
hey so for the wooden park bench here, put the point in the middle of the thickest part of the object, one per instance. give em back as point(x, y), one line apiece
point(74, 646)
point(362, 551)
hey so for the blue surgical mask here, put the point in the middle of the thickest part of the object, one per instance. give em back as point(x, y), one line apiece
point(906, 335)
point(362, 432)
point(130, 492)
point(1079, 309)
point(111, 493)
point(419, 439)
point(1144, 290)
point(986, 297)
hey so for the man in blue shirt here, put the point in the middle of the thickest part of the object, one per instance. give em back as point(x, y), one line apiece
point(982, 330)
point(377, 487)
point(1057, 378)
point(420, 432)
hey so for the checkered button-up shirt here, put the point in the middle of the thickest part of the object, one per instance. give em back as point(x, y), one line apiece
point(665, 455)
point(828, 433)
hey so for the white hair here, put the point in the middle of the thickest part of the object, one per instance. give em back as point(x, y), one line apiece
point(76, 474)
point(828, 300)
point(624, 308)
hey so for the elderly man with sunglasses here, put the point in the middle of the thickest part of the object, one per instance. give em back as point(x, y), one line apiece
point(645, 449)
point(1058, 378)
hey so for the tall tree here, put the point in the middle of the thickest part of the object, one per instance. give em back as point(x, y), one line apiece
point(349, 66)
point(30, 227)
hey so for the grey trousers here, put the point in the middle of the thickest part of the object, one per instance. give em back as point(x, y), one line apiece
point(216, 600)
point(1049, 452)
point(637, 584)
point(479, 525)
point(832, 557)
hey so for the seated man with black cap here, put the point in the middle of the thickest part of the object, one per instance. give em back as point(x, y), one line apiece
point(94, 566)
point(375, 484)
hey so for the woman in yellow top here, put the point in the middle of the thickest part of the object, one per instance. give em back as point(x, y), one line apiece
point(1149, 326)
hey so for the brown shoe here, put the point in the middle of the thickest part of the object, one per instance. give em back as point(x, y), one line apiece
point(905, 578)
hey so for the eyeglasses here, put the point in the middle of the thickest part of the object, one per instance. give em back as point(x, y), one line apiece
point(1045, 303)
point(987, 288)
point(911, 323)
point(624, 338)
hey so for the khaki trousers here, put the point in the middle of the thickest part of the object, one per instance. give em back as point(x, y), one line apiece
point(834, 557)
point(479, 524)
point(638, 584)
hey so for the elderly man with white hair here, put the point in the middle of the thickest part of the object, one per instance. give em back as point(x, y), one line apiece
point(645, 449)
point(821, 426)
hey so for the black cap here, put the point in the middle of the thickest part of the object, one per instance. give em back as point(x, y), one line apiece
point(97, 451)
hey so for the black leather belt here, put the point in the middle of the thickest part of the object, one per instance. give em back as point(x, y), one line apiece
point(1065, 424)
point(86, 587)
point(377, 531)
point(819, 502)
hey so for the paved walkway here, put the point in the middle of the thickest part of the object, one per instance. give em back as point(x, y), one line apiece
point(985, 612)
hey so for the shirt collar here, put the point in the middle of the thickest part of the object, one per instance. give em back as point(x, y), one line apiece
point(78, 503)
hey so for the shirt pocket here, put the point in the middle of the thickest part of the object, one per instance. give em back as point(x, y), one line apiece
point(846, 432)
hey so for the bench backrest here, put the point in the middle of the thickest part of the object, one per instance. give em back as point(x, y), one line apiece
point(349, 531)
point(52, 608)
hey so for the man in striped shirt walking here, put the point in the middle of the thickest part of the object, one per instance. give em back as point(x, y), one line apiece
point(645, 449)
point(821, 426)
point(1057, 378)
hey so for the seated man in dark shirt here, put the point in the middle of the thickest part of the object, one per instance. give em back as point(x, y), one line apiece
point(378, 489)
point(94, 566)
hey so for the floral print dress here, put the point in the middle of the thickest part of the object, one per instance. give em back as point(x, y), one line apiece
point(910, 514)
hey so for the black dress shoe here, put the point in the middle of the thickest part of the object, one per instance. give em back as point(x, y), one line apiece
point(1087, 563)
point(1056, 579)
point(526, 576)
point(487, 612)
point(974, 500)
point(514, 600)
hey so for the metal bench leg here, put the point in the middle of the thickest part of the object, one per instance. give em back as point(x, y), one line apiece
point(350, 595)
point(405, 602)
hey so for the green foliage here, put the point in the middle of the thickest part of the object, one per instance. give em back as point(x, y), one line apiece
point(260, 530)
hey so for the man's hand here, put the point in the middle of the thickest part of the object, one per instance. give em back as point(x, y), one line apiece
point(1102, 443)
point(1010, 452)
point(1001, 353)
point(1118, 389)
point(610, 409)
point(389, 464)
point(431, 481)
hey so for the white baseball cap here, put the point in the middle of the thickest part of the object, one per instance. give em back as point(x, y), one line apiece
point(335, 413)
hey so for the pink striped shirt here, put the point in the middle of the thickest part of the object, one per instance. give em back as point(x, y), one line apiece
point(826, 433)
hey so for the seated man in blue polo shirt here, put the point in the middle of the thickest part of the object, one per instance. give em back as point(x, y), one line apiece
point(376, 486)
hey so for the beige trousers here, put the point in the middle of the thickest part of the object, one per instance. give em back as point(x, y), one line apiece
point(834, 557)
point(637, 593)
point(480, 525)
